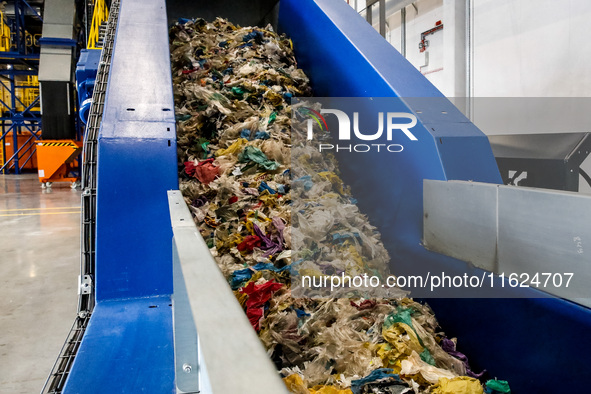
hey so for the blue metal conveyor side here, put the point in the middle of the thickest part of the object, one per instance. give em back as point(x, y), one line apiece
point(525, 341)
point(128, 344)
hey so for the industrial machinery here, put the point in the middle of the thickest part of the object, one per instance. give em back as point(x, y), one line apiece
point(59, 150)
point(156, 316)
point(550, 161)
point(38, 40)
point(58, 154)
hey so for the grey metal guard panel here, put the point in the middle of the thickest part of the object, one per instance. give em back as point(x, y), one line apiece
point(460, 221)
point(546, 231)
point(509, 229)
point(556, 146)
point(231, 356)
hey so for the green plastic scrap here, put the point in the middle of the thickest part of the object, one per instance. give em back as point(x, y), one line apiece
point(402, 315)
point(253, 155)
point(182, 118)
point(202, 144)
point(272, 117)
point(427, 357)
point(238, 92)
point(219, 97)
point(500, 386)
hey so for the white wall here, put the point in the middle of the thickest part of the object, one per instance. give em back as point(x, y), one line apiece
point(418, 20)
point(532, 48)
point(521, 48)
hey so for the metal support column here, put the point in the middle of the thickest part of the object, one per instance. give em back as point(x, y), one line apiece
point(403, 31)
point(456, 50)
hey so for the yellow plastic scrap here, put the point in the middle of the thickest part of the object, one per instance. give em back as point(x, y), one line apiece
point(274, 98)
point(295, 384)
point(403, 338)
point(333, 178)
point(459, 385)
point(241, 297)
point(355, 255)
point(255, 217)
point(291, 88)
point(329, 390)
point(389, 356)
point(232, 149)
point(329, 196)
point(229, 242)
point(305, 160)
point(270, 200)
point(312, 273)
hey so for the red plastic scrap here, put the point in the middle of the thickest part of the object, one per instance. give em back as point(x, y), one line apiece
point(362, 305)
point(249, 243)
point(190, 168)
point(258, 295)
point(204, 171)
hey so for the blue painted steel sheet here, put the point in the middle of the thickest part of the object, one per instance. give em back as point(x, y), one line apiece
point(538, 345)
point(528, 341)
point(137, 161)
point(128, 345)
point(127, 348)
point(86, 70)
point(345, 57)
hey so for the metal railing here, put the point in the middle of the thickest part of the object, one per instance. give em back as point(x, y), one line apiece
point(88, 178)
point(99, 16)
point(216, 349)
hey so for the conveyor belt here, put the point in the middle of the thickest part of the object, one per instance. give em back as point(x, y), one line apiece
point(61, 368)
point(128, 344)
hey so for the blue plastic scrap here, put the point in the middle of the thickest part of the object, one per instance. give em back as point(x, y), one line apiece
point(383, 379)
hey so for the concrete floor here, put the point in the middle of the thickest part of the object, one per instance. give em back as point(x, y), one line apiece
point(39, 267)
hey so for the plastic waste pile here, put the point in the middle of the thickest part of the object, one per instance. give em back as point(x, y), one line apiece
point(233, 87)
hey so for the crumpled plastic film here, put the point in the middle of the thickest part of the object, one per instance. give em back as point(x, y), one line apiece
point(415, 367)
point(495, 386)
point(233, 88)
point(459, 385)
point(381, 380)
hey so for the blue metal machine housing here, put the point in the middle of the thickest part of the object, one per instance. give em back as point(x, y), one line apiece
point(128, 343)
point(86, 70)
point(514, 339)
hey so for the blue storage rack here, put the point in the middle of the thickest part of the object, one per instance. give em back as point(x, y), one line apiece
point(13, 119)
